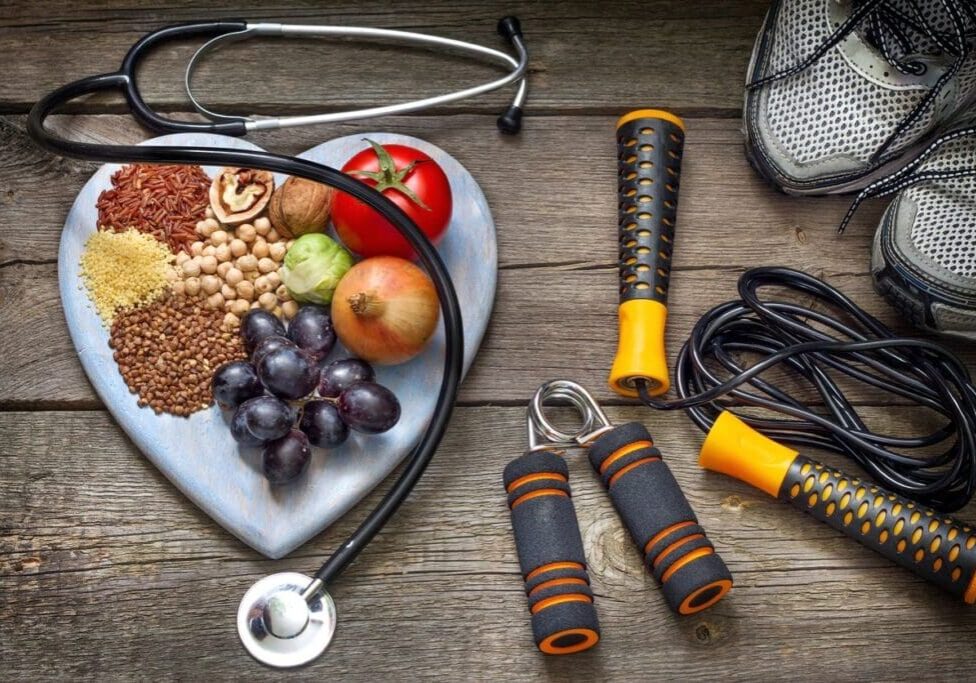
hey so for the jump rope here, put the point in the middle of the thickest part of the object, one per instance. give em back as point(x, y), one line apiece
point(827, 345)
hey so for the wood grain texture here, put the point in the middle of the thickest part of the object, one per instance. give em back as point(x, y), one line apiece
point(630, 48)
point(106, 570)
point(555, 311)
point(552, 191)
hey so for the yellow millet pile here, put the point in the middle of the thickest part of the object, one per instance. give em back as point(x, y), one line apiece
point(124, 269)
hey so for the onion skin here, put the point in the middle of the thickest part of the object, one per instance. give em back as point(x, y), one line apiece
point(385, 310)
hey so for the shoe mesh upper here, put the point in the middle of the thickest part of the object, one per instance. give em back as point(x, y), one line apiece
point(832, 110)
point(944, 229)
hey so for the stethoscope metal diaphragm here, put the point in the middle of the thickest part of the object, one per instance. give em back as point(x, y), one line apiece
point(282, 623)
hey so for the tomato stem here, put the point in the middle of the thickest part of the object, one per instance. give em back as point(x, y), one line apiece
point(388, 177)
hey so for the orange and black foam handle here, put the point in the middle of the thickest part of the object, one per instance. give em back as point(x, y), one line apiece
point(939, 549)
point(646, 495)
point(650, 143)
point(550, 552)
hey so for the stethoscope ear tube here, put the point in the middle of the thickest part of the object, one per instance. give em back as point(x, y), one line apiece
point(231, 32)
point(142, 111)
point(429, 258)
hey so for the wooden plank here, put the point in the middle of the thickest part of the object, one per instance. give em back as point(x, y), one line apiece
point(552, 191)
point(570, 333)
point(106, 571)
point(555, 309)
point(691, 57)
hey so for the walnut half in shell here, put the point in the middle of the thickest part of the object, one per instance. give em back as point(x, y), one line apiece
point(238, 195)
point(300, 206)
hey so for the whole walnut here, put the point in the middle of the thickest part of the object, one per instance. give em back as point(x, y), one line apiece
point(300, 206)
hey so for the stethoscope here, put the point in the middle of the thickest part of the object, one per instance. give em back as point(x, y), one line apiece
point(288, 619)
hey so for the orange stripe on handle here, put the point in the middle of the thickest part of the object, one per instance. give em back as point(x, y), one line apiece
point(970, 595)
point(551, 567)
point(557, 582)
point(558, 600)
point(690, 557)
point(621, 452)
point(538, 493)
point(661, 534)
point(722, 586)
point(677, 544)
point(590, 638)
point(529, 478)
point(628, 468)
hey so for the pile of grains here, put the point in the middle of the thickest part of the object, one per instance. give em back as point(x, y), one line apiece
point(124, 269)
point(163, 201)
point(236, 269)
point(168, 350)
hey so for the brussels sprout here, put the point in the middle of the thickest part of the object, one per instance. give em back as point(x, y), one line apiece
point(313, 267)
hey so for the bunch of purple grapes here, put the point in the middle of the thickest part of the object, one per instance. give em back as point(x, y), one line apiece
point(285, 365)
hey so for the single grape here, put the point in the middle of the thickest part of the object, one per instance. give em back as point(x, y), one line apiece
point(286, 458)
point(269, 344)
point(369, 407)
point(288, 373)
point(311, 329)
point(266, 417)
point(340, 374)
point(322, 424)
point(240, 432)
point(258, 324)
point(235, 382)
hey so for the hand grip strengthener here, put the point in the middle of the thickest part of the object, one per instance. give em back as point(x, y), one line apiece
point(644, 492)
point(938, 549)
point(550, 548)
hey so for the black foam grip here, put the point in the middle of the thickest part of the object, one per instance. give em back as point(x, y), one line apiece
point(937, 548)
point(659, 519)
point(648, 174)
point(550, 552)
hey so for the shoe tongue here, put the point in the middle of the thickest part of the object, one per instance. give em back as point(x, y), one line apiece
point(934, 16)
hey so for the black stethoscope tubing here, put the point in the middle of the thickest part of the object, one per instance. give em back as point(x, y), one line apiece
point(125, 80)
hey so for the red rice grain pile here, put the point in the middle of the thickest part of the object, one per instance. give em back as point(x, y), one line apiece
point(163, 201)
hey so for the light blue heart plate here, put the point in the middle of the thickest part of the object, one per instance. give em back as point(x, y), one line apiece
point(198, 454)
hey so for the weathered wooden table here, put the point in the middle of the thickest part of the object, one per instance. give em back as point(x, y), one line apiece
point(107, 571)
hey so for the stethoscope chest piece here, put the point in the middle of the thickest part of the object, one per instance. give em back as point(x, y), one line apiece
point(282, 627)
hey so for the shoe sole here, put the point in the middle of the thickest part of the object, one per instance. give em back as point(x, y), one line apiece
point(911, 305)
point(910, 297)
point(775, 180)
point(910, 301)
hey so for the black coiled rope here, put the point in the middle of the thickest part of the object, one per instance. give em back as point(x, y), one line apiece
point(820, 346)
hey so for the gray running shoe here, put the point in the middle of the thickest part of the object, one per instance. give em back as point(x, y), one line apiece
point(843, 92)
point(924, 255)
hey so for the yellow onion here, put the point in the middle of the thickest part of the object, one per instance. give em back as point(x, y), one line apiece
point(385, 310)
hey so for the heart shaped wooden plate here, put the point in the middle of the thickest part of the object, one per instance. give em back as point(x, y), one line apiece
point(198, 454)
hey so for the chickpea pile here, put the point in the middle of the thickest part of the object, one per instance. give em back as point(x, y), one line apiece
point(236, 269)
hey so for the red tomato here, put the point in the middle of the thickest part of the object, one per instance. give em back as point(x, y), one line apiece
point(409, 178)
